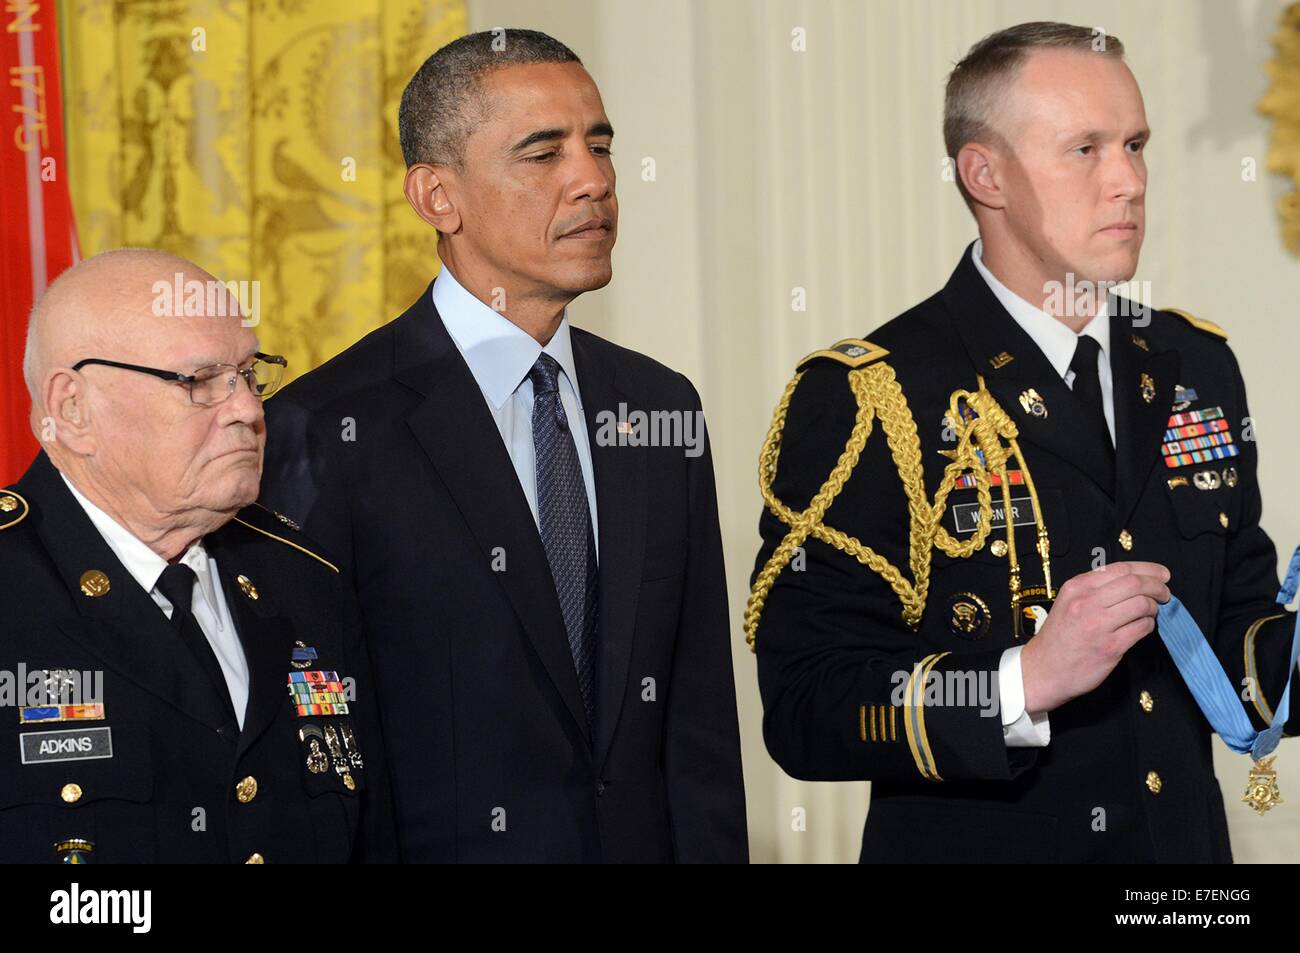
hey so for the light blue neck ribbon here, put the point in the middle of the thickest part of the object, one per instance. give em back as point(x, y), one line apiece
point(1209, 683)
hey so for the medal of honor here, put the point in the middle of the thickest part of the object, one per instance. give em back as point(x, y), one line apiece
point(1217, 698)
point(1261, 787)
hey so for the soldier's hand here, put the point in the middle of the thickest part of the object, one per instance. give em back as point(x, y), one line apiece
point(1096, 618)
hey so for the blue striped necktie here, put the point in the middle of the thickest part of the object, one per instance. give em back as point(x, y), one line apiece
point(565, 523)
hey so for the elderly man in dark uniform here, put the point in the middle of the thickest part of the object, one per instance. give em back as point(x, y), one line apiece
point(186, 681)
point(961, 609)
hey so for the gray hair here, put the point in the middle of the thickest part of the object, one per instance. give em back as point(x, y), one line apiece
point(444, 99)
point(978, 83)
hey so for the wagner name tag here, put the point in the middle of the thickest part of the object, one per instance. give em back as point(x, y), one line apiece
point(966, 516)
point(74, 744)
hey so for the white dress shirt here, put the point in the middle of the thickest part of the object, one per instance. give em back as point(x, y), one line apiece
point(209, 606)
point(500, 355)
point(1020, 728)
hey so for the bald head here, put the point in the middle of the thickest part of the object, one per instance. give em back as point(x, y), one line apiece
point(135, 442)
point(106, 303)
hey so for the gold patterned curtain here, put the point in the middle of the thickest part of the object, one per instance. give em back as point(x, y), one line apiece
point(1282, 103)
point(257, 138)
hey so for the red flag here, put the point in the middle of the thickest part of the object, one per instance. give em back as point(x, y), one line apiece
point(37, 235)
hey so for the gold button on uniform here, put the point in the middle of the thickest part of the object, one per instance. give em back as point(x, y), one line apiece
point(8, 504)
point(1223, 520)
point(71, 793)
point(1154, 784)
point(94, 584)
point(999, 547)
point(255, 858)
point(1146, 701)
point(246, 789)
point(1125, 540)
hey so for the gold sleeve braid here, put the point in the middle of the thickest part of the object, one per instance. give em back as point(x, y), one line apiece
point(879, 395)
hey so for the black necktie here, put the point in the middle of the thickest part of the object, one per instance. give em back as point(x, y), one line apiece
point(177, 584)
point(565, 523)
point(1087, 387)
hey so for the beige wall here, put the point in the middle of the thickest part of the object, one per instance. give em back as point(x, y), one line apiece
point(822, 170)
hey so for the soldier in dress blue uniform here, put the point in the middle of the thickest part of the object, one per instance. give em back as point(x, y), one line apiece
point(181, 669)
point(962, 608)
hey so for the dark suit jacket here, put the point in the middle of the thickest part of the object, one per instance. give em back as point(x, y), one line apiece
point(389, 452)
point(174, 745)
point(831, 639)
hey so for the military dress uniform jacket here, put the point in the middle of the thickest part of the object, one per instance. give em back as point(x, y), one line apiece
point(1127, 775)
point(161, 772)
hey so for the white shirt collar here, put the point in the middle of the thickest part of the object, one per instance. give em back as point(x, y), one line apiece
point(499, 353)
point(1053, 337)
point(144, 565)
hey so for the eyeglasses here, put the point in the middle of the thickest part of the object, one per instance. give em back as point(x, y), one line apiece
point(215, 383)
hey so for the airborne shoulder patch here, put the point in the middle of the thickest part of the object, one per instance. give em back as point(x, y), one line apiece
point(1209, 327)
point(851, 352)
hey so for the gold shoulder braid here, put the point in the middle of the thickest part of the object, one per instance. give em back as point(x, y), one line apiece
point(1209, 327)
point(980, 450)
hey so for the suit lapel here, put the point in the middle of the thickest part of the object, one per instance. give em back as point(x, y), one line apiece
point(455, 429)
point(123, 627)
point(267, 637)
point(620, 474)
point(1137, 372)
point(991, 336)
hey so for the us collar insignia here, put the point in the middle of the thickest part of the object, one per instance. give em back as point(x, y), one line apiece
point(1000, 361)
point(94, 584)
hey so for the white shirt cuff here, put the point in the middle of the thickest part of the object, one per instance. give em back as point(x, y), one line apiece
point(1020, 729)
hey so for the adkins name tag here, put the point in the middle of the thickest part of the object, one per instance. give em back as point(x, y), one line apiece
point(74, 744)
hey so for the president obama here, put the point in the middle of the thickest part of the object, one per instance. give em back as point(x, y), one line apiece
point(546, 608)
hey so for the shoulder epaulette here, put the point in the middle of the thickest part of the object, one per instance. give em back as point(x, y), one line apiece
point(280, 531)
point(851, 352)
point(1209, 327)
point(13, 509)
